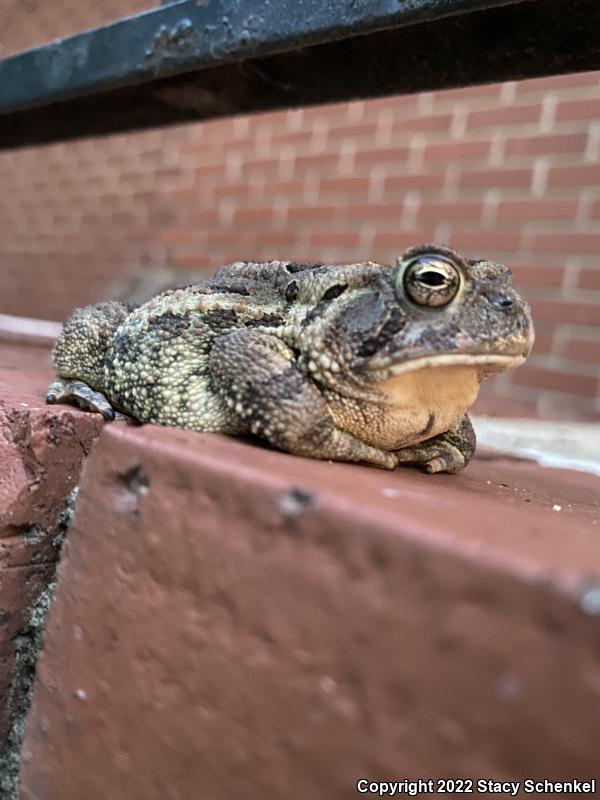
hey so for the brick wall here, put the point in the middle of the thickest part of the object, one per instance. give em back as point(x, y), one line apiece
point(509, 171)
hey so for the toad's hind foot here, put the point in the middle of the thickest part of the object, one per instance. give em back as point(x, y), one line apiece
point(448, 452)
point(79, 394)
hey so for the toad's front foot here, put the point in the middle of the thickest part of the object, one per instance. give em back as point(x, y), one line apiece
point(79, 394)
point(448, 452)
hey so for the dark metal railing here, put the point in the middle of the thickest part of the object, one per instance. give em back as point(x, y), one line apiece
point(189, 60)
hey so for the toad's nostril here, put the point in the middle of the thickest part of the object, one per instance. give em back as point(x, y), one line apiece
point(502, 301)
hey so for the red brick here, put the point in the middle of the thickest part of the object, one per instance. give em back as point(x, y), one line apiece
point(480, 243)
point(286, 187)
point(166, 174)
point(204, 216)
point(431, 211)
point(491, 178)
point(337, 114)
point(184, 196)
point(398, 241)
point(395, 155)
point(239, 191)
point(557, 381)
point(544, 342)
point(537, 275)
point(269, 167)
point(571, 81)
point(351, 131)
point(418, 181)
point(322, 162)
point(580, 175)
point(546, 145)
point(497, 405)
point(275, 122)
point(302, 137)
point(177, 236)
point(399, 104)
point(570, 242)
point(233, 240)
point(335, 238)
point(567, 312)
point(373, 211)
point(211, 153)
point(135, 178)
point(344, 184)
point(589, 278)
point(225, 128)
point(583, 349)
point(333, 254)
point(562, 406)
point(595, 209)
point(312, 214)
point(578, 109)
point(439, 123)
point(488, 91)
point(186, 260)
point(456, 151)
point(259, 216)
point(212, 171)
point(510, 115)
point(525, 210)
point(278, 242)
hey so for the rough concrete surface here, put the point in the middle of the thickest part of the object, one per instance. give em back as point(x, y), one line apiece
point(236, 622)
point(232, 622)
point(41, 453)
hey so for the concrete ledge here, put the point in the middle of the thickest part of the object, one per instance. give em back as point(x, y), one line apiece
point(24, 330)
point(235, 622)
point(41, 453)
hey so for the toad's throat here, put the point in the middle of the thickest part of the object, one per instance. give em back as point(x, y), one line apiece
point(454, 387)
point(432, 394)
point(419, 399)
point(425, 402)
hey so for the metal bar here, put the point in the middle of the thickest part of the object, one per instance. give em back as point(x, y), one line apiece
point(185, 36)
point(186, 61)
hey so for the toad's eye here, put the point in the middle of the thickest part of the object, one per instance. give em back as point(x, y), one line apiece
point(430, 280)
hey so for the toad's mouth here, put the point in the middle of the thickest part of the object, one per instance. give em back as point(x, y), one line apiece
point(486, 363)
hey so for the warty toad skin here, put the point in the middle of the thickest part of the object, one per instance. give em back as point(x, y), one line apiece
point(350, 362)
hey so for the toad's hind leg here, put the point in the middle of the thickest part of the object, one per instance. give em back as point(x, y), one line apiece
point(80, 394)
point(447, 452)
point(255, 373)
point(79, 355)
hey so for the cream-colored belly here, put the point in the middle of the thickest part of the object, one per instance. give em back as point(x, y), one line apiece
point(414, 406)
